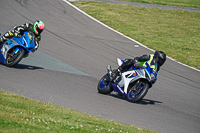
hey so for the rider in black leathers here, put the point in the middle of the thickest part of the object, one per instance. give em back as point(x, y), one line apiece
point(37, 27)
point(155, 61)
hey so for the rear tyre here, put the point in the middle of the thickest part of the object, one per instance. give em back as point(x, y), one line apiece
point(137, 92)
point(104, 85)
point(14, 58)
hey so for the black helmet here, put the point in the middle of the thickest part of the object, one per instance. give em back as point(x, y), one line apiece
point(160, 57)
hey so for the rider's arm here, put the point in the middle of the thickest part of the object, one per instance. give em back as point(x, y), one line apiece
point(128, 63)
point(143, 58)
point(21, 28)
point(37, 39)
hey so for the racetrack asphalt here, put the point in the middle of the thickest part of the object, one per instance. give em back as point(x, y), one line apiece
point(74, 42)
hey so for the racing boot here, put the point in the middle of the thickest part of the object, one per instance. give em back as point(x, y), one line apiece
point(3, 39)
point(115, 75)
point(1, 45)
point(1, 42)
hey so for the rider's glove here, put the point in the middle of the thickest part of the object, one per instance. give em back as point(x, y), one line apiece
point(136, 63)
point(16, 34)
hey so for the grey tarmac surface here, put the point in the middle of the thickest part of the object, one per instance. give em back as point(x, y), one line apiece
point(73, 42)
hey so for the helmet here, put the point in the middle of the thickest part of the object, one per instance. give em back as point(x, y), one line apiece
point(38, 27)
point(160, 57)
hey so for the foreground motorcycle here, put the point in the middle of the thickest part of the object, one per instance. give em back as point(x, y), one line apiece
point(133, 83)
point(14, 49)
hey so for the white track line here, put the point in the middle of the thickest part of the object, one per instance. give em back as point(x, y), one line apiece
point(122, 34)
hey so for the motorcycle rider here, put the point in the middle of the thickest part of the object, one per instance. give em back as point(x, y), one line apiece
point(155, 61)
point(37, 27)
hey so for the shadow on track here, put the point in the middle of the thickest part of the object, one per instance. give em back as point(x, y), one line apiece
point(142, 102)
point(29, 67)
point(147, 101)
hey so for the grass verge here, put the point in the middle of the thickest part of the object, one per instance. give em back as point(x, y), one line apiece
point(182, 3)
point(20, 114)
point(177, 33)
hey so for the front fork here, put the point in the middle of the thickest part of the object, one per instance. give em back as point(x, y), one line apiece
point(115, 86)
point(109, 69)
point(136, 86)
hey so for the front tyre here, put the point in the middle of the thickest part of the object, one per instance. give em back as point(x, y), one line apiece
point(14, 58)
point(104, 85)
point(137, 92)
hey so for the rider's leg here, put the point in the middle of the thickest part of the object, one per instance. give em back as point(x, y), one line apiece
point(5, 37)
point(115, 74)
point(126, 65)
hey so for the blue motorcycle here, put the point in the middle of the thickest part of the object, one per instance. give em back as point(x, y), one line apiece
point(133, 83)
point(16, 48)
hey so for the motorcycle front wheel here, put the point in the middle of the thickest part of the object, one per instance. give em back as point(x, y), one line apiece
point(14, 58)
point(137, 92)
point(104, 85)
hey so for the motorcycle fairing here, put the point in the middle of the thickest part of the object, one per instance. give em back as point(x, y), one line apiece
point(151, 76)
point(117, 88)
point(130, 76)
point(126, 78)
point(120, 62)
point(25, 42)
point(7, 46)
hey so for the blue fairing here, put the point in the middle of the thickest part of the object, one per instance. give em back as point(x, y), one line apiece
point(26, 42)
point(18, 40)
point(148, 69)
point(117, 88)
point(155, 74)
point(1, 57)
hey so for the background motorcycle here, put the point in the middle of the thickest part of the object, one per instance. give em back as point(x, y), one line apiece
point(14, 49)
point(133, 83)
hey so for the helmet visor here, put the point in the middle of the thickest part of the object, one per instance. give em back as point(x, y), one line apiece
point(161, 62)
point(39, 29)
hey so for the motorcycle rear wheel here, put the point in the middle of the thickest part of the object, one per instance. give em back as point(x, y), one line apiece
point(104, 86)
point(13, 59)
point(135, 94)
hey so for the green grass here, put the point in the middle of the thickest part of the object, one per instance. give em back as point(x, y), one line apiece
point(20, 114)
point(182, 3)
point(177, 33)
